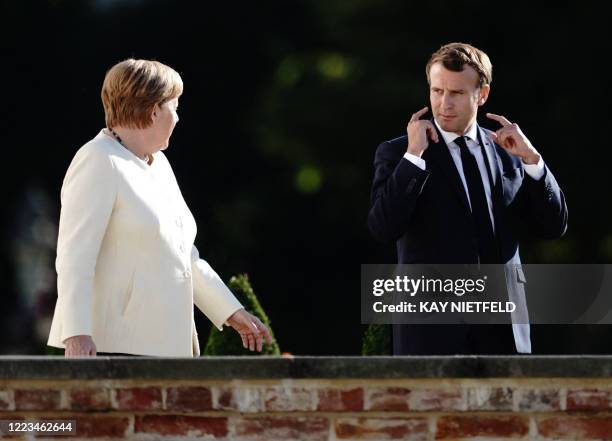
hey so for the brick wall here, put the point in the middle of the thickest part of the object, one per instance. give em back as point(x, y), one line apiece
point(317, 410)
point(315, 398)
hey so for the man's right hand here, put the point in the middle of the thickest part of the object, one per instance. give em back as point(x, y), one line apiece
point(80, 346)
point(419, 133)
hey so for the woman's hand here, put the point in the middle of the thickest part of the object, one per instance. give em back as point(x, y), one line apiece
point(80, 346)
point(250, 328)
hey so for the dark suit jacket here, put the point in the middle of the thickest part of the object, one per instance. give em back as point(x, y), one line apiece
point(426, 212)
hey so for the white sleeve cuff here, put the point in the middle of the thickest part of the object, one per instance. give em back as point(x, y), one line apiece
point(419, 162)
point(536, 171)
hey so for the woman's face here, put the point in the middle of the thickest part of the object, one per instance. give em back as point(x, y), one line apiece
point(164, 120)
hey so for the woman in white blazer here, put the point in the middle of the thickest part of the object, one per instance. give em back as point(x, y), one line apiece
point(128, 272)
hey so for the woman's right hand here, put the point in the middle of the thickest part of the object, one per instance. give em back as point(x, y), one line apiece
point(252, 331)
point(80, 346)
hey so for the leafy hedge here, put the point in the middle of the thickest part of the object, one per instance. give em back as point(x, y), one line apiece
point(228, 342)
point(377, 340)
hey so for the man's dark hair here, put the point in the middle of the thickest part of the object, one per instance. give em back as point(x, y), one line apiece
point(454, 56)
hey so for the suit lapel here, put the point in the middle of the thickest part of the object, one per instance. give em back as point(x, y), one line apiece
point(487, 141)
point(497, 191)
point(439, 154)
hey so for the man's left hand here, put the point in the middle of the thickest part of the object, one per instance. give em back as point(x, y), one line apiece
point(511, 138)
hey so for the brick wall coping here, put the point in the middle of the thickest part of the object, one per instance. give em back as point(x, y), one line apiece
point(259, 367)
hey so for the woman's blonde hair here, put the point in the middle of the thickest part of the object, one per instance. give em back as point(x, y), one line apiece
point(132, 88)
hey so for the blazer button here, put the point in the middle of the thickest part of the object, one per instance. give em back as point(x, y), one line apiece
point(187, 274)
point(179, 222)
point(182, 248)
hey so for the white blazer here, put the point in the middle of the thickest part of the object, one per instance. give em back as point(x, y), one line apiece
point(128, 273)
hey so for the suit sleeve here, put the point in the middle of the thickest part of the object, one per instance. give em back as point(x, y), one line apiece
point(543, 204)
point(211, 295)
point(87, 199)
point(396, 187)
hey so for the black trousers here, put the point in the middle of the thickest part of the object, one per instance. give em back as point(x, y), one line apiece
point(464, 339)
point(461, 339)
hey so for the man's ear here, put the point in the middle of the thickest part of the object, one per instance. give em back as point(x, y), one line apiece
point(483, 94)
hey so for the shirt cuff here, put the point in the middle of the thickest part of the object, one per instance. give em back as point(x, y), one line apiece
point(419, 162)
point(536, 171)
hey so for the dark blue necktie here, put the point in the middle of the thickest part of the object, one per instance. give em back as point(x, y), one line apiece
point(483, 229)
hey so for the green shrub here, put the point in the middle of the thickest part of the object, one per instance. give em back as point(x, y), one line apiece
point(51, 350)
point(377, 340)
point(228, 342)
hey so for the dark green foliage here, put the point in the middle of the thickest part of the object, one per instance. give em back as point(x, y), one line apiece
point(228, 342)
point(377, 340)
point(50, 350)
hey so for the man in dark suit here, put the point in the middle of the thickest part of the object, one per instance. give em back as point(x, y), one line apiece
point(452, 192)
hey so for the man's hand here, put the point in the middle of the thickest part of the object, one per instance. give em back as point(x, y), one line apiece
point(250, 328)
point(513, 140)
point(80, 346)
point(419, 130)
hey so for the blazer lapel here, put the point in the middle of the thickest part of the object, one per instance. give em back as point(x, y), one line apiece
point(440, 155)
point(497, 191)
point(487, 141)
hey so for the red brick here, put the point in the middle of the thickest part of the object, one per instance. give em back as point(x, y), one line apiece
point(37, 399)
point(539, 400)
point(89, 399)
point(110, 427)
point(181, 425)
point(382, 428)
point(226, 399)
point(282, 428)
point(588, 399)
point(241, 399)
point(491, 426)
point(437, 399)
point(283, 399)
point(498, 398)
point(388, 399)
point(5, 401)
point(189, 399)
point(139, 398)
point(339, 400)
point(567, 427)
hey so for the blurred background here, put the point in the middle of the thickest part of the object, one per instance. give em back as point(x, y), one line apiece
point(284, 105)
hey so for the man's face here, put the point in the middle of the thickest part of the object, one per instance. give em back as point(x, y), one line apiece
point(455, 97)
